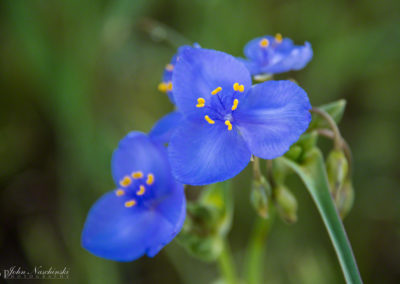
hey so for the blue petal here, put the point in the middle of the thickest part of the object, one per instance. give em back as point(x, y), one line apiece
point(200, 71)
point(272, 117)
point(137, 152)
point(202, 153)
point(116, 232)
point(163, 129)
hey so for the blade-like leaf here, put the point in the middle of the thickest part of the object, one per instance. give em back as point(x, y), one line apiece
point(312, 172)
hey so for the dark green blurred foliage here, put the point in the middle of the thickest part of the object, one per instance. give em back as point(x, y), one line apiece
point(76, 76)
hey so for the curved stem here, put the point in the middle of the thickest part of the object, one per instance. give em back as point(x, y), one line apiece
point(332, 124)
point(226, 265)
point(256, 168)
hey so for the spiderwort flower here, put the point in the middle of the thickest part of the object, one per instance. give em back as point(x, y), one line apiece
point(272, 55)
point(147, 209)
point(166, 84)
point(227, 120)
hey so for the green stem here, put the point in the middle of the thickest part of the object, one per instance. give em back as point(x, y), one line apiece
point(332, 124)
point(312, 172)
point(226, 265)
point(256, 249)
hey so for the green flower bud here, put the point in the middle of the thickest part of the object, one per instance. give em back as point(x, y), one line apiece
point(337, 168)
point(286, 204)
point(345, 198)
point(259, 196)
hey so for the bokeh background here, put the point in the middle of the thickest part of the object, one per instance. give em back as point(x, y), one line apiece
point(76, 76)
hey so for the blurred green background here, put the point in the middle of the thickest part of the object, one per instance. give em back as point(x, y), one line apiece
point(76, 76)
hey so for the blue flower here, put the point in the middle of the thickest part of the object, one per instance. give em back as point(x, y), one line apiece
point(147, 209)
point(226, 120)
point(272, 55)
point(166, 84)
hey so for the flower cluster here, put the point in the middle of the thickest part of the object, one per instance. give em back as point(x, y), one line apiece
point(221, 120)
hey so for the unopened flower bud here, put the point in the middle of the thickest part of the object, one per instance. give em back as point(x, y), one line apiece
point(259, 196)
point(344, 198)
point(337, 168)
point(286, 204)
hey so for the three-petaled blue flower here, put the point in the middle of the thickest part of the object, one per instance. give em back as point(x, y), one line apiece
point(166, 83)
point(226, 120)
point(272, 55)
point(147, 209)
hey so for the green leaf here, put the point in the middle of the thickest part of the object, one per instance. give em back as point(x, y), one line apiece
point(334, 109)
point(312, 172)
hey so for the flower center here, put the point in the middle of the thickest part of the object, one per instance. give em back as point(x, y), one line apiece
point(134, 186)
point(221, 105)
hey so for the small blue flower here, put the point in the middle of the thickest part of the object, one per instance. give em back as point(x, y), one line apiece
point(226, 120)
point(145, 212)
point(272, 55)
point(166, 84)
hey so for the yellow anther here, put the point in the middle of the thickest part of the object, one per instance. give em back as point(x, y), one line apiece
point(235, 104)
point(169, 67)
point(278, 38)
point(162, 87)
point(238, 87)
point(120, 192)
point(229, 124)
point(130, 203)
point(200, 102)
point(150, 179)
point(209, 120)
point(141, 190)
point(216, 91)
point(125, 181)
point(169, 86)
point(137, 175)
point(264, 43)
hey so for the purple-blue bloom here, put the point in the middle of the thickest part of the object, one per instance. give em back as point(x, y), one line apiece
point(226, 120)
point(272, 55)
point(146, 210)
point(166, 83)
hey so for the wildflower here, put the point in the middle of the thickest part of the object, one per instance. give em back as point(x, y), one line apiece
point(145, 212)
point(226, 120)
point(166, 84)
point(272, 55)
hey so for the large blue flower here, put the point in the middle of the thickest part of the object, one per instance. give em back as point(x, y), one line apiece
point(227, 120)
point(272, 55)
point(147, 209)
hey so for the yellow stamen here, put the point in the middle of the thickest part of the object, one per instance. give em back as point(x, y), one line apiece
point(238, 87)
point(162, 87)
point(278, 38)
point(264, 43)
point(216, 91)
point(141, 190)
point(209, 120)
point(137, 175)
point(130, 203)
point(200, 102)
point(228, 123)
point(150, 179)
point(235, 104)
point(169, 67)
point(169, 86)
point(125, 181)
point(120, 192)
